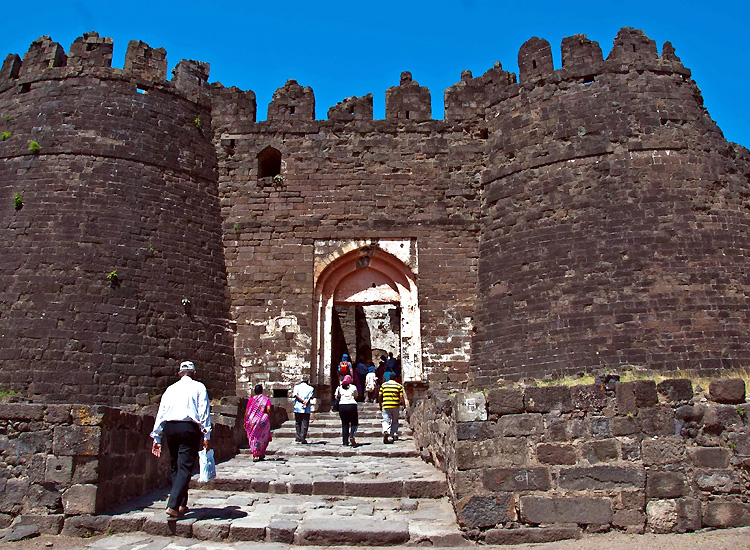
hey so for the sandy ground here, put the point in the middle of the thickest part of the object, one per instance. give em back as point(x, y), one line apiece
point(726, 539)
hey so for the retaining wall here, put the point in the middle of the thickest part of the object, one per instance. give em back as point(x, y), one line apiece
point(61, 465)
point(542, 463)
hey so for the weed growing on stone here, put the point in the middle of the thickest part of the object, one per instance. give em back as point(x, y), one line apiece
point(7, 118)
point(278, 179)
point(4, 392)
point(34, 147)
point(18, 201)
point(5, 135)
point(236, 226)
point(113, 278)
point(198, 123)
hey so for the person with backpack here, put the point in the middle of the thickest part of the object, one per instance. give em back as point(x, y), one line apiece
point(345, 367)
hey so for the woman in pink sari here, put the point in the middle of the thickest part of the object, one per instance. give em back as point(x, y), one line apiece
point(258, 424)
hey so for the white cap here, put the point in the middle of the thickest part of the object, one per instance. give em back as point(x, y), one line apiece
point(186, 366)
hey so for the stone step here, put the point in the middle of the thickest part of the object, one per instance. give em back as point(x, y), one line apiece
point(333, 432)
point(354, 476)
point(296, 519)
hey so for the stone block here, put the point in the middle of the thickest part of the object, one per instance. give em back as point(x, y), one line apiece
point(710, 457)
point(127, 523)
point(665, 484)
point(35, 442)
point(556, 428)
point(553, 453)
point(249, 528)
point(543, 399)
point(662, 450)
point(161, 526)
point(520, 424)
point(633, 395)
point(723, 514)
point(326, 487)
point(468, 482)
point(728, 390)
point(48, 524)
point(213, 530)
point(606, 450)
point(58, 414)
point(476, 430)
point(673, 516)
point(632, 520)
point(717, 418)
point(531, 535)
point(21, 411)
point(590, 398)
point(13, 494)
point(483, 511)
point(624, 425)
point(425, 488)
point(740, 439)
point(718, 481)
point(85, 526)
point(85, 470)
point(375, 488)
point(282, 530)
point(676, 390)
point(79, 499)
point(601, 478)
point(471, 406)
point(59, 469)
point(689, 413)
point(76, 440)
point(657, 421)
point(601, 427)
point(502, 451)
point(505, 401)
point(352, 532)
point(581, 510)
point(516, 479)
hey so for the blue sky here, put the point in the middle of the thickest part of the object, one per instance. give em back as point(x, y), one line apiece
point(342, 49)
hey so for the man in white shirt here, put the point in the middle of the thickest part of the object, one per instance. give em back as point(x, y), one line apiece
point(302, 395)
point(185, 421)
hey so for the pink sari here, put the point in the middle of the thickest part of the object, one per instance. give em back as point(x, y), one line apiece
point(258, 425)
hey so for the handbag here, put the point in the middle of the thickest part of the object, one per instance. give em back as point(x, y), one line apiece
point(335, 406)
point(207, 465)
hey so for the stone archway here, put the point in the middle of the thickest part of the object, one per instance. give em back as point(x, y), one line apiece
point(366, 273)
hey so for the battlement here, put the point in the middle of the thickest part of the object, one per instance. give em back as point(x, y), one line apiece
point(91, 55)
point(582, 59)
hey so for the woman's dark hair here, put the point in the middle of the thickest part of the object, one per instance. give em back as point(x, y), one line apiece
point(258, 389)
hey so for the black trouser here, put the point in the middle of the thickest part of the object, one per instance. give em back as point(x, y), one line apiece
point(349, 421)
point(301, 422)
point(184, 439)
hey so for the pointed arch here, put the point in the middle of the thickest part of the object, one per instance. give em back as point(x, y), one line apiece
point(359, 274)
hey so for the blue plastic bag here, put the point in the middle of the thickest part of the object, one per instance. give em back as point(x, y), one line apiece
point(207, 465)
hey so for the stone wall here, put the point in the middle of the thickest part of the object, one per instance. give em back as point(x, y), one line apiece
point(61, 464)
point(613, 219)
point(124, 181)
point(539, 463)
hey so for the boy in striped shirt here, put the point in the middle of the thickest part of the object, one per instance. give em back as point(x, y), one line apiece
point(390, 399)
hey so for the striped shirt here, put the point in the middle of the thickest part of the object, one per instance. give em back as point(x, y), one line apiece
point(390, 394)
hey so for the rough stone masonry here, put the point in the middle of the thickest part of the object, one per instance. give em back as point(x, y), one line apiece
point(553, 221)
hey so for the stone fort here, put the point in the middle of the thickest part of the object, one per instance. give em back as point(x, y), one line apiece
point(554, 221)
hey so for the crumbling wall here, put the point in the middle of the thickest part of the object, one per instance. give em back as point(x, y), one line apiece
point(534, 464)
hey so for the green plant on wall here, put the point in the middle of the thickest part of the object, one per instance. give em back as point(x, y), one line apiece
point(18, 201)
point(198, 123)
point(278, 179)
point(112, 277)
point(5, 135)
point(34, 147)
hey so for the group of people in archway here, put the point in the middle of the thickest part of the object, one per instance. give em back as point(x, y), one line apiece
point(368, 379)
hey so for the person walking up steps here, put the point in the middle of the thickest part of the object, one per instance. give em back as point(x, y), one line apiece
point(347, 396)
point(185, 421)
point(390, 400)
point(302, 395)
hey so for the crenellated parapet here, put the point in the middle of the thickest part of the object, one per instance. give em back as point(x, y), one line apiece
point(352, 108)
point(292, 102)
point(408, 101)
point(145, 62)
point(91, 50)
point(471, 96)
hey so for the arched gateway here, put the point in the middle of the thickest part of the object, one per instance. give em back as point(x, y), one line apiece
point(369, 275)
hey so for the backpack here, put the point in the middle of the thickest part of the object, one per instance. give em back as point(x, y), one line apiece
point(343, 368)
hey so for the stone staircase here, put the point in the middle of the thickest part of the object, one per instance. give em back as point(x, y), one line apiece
point(322, 493)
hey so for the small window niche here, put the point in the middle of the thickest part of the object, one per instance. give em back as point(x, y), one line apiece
point(269, 163)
